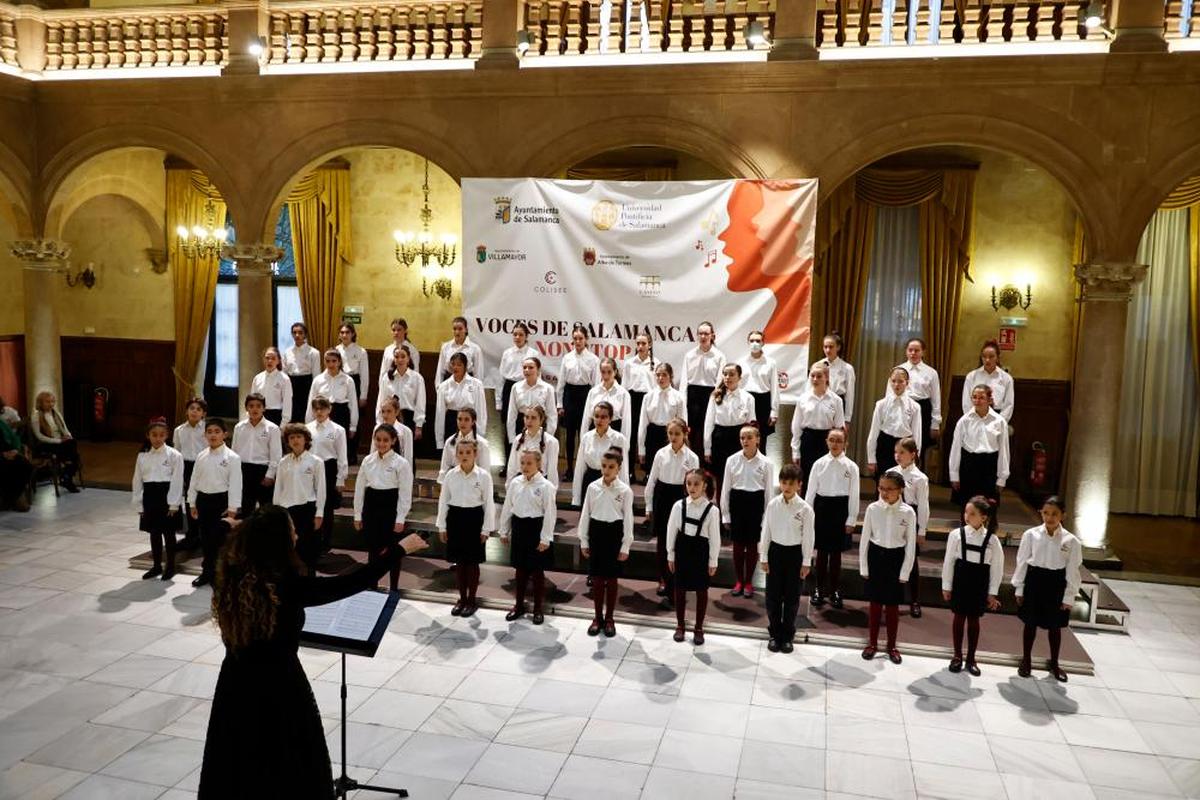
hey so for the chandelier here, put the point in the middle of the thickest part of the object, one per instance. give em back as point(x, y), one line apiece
point(435, 253)
point(203, 241)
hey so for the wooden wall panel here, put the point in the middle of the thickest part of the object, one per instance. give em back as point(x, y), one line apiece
point(12, 373)
point(1042, 414)
point(137, 374)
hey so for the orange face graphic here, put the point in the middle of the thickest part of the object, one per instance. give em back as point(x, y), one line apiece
point(761, 243)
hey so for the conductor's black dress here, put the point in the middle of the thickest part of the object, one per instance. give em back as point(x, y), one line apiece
point(264, 733)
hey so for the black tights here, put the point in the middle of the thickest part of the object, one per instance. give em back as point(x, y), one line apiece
point(1054, 635)
point(539, 587)
point(156, 549)
point(829, 563)
point(972, 625)
point(468, 582)
point(701, 607)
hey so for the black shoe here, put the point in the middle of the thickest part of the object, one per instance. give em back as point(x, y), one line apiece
point(594, 628)
point(679, 634)
point(818, 599)
point(894, 656)
point(973, 668)
point(202, 580)
point(468, 609)
point(956, 665)
point(71, 487)
point(786, 646)
point(736, 591)
point(1057, 672)
point(698, 636)
point(835, 600)
point(166, 576)
point(515, 614)
point(456, 610)
point(661, 591)
point(610, 628)
point(153, 572)
point(772, 645)
point(914, 611)
point(589, 580)
point(869, 652)
point(1025, 669)
point(537, 618)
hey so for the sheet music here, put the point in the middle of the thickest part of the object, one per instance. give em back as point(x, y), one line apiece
point(351, 618)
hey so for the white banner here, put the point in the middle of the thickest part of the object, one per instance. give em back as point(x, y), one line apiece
point(625, 258)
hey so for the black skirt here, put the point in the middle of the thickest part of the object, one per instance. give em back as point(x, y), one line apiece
point(156, 516)
point(301, 385)
point(604, 546)
point(883, 566)
point(635, 417)
point(275, 415)
point(450, 423)
point(976, 475)
point(656, 439)
point(505, 402)
point(523, 547)
point(746, 515)
point(665, 496)
point(340, 413)
point(697, 408)
point(574, 400)
point(830, 525)
point(725, 442)
point(379, 517)
point(812, 447)
point(926, 424)
point(885, 454)
point(968, 594)
point(1042, 604)
point(409, 418)
point(464, 535)
point(691, 563)
point(762, 413)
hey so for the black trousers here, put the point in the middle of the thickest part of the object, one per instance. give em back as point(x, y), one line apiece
point(209, 509)
point(783, 589)
point(254, 494)
point(191, 529)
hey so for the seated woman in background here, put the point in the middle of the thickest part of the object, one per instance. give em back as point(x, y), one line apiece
point(15, 469)
point(264, 734)
point(52, 436)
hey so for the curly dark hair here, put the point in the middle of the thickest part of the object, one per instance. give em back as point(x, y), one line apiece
point(258, 554)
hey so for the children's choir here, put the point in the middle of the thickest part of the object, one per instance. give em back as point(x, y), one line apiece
point(775, 520)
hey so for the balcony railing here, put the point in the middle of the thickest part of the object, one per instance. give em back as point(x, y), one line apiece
point(135, 38)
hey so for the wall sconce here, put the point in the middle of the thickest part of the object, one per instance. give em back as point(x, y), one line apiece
point(158, 260)
point(86, 276)
point(1010, 297)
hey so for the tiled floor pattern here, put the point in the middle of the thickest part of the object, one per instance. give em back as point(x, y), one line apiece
point(105, 683)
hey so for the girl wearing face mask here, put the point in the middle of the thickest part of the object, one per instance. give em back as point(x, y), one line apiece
point(760, 377)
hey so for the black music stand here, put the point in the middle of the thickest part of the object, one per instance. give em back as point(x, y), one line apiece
point(324, 631)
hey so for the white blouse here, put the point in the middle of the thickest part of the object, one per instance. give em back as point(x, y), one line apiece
point(916, 492)
point(816, 412)
point(923, 384)
point(788, 523)
point(592, 448)
point(258, 444)
point(409, 389)
point(511, 363)
point(337, 388)
point(761, 375)
point(1038, 548)
point(616, 395)
point(468, 348)
point(993, 557)
point(389, 357)
point(543, 442)
point(467, 490)
point(404, 440)
point(455, 395)
point(835, 477)
point(669, 466)
point(189, 440)
point(164, 465)
point(1003, 394)
point(747, 475)
point(390, 471)
point(659, 407)
point(607, 502)
point(483, 455)
point(277, 389)
point(329, 442)
point(578, 369)
point(711, 529)
point(737, 408)
point(300, 480)
point(841, 382)
point(524, 396)
point(889, 526)
point(355, 362)
point(302, 360)
point(701, 369)
point(530, 499)
point(976, 434)
point(898, 416)
point(217, 471)
point(637, 375)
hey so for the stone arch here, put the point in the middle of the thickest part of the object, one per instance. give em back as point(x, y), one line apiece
point(593, 138)
point(1160, 181)
point(70, 198)
point(306, 152)
point(15, 192)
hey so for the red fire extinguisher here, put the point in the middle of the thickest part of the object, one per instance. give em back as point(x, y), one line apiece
point(1037, 472)
point(100, 398)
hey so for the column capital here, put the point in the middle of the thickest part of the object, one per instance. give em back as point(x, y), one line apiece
point(252, 259)
point(1109, 281)
point(47, 255)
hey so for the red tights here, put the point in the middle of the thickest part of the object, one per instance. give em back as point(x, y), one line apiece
point(972, 625)
point(539, 587)
point(604, 597)
point(893, 624)
point(745, 559)
point(701, 606)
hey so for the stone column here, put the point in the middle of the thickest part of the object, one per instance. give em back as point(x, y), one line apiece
point(1096, 397)
point(255, 317)
point(501, 19)
point(44, 261)
point(1137, 26)
point(795, 34)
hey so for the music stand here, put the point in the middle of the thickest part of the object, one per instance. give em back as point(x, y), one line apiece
point(352, 625)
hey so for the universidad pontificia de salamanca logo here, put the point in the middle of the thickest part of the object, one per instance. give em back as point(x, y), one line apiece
point(506, 212)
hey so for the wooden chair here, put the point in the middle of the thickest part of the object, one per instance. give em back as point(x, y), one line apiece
point(44, 463)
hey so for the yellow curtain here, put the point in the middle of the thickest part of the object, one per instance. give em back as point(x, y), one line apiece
point(188, 196)
point(618, 173)
point(1194, 284)
point(319, 208)
point(843, 267)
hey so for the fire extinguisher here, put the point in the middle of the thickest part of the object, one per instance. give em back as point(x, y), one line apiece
point(100, 398)
point(1037, 472)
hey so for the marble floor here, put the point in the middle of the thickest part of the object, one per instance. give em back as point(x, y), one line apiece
point(105, 684)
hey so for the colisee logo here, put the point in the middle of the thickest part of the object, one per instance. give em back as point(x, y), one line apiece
point(605, 215)
point(503, 209)
point(550, 278)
